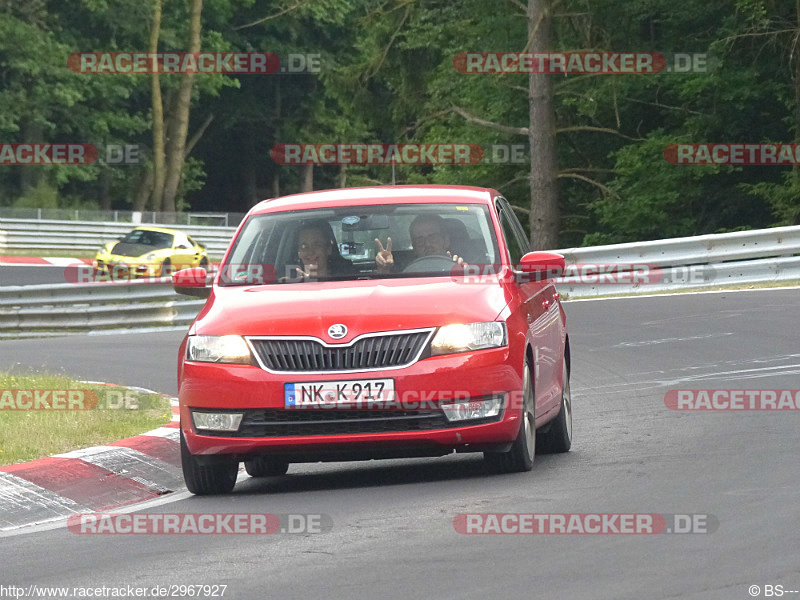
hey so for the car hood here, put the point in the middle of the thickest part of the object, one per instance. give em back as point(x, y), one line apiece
point(126, 249)
point(362, 306)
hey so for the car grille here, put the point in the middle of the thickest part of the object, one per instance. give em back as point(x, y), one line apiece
point(297, 422)
point(370, 352)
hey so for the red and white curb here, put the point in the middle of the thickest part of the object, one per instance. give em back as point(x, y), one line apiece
point(48, 261)
point(101, 478)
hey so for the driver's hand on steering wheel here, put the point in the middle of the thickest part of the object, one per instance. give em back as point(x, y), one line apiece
point(384, 259)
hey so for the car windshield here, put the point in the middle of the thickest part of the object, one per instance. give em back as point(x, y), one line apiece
point(145, 237)
point(340, 243)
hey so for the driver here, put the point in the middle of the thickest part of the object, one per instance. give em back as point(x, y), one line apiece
point(428, 238)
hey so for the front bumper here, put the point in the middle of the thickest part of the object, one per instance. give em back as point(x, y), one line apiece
point(120, 268)
point(258, 393)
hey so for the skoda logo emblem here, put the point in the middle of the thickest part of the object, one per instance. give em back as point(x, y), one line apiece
point(337, 331)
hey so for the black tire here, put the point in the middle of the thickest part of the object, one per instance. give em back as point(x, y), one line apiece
point(557, 436)
point(520, 457)
point(265, 467)
point(166, 268)
point(203, 263)
point(205, 480)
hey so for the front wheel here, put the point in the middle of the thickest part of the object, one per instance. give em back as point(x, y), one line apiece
point(520, 457)
point(558, 435)
point(166, 268)
point(204, 480)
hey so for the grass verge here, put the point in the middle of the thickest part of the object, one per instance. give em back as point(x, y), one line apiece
point(30, 433)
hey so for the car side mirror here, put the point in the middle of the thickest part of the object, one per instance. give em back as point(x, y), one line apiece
point(192, 282)
point(540, 266)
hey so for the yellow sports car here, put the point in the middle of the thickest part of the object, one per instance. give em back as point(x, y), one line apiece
point(149, 252)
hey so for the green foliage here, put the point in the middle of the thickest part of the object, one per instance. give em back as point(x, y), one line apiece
point(387, 76)
point(42, 195)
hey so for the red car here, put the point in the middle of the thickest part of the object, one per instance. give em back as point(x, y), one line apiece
point(366, 323)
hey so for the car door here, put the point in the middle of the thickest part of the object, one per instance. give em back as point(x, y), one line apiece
point(541, 313)
point(182, 252)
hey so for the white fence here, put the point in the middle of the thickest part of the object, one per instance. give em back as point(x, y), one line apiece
point(768, 255)
point(43, 235)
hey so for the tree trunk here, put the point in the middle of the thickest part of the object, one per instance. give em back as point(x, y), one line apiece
point(275, 184)
point(29, 177)
point(143, 191)
point(796, 168)
point(158, 174)
point(307, 178)
point(544, 215)
point(179, 119)
point(105, 189)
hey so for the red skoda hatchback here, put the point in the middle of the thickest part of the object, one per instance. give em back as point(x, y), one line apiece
point(365, 323)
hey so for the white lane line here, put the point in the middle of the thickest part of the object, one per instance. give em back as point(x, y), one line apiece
point(672, 383)
point(669, 340)
point(776, 289)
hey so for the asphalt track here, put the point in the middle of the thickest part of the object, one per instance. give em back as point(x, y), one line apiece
point(393, 534)
point(31, 274)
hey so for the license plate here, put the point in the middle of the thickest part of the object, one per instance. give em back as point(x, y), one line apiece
point(352, 392)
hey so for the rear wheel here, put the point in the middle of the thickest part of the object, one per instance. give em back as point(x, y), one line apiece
point(265, 467)
point(558, 435)
point(166, 268)
point(520, 457)
point(203, 480)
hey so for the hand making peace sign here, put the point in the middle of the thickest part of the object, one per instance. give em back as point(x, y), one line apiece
point(384, 259)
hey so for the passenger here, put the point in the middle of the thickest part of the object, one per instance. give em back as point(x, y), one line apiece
point(318, 252)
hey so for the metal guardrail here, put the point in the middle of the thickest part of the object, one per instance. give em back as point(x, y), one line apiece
point(27, 311)
point(768, 255)
point(34, 234)
point(741, 257)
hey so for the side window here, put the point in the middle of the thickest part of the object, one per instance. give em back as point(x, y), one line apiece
point(517, 245)
point(522, 238)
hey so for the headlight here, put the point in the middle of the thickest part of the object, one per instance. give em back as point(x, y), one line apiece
point(219, 349)
point(472, 336)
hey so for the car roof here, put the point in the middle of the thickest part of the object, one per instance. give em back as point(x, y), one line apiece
point(389, 194)
point(158, 229)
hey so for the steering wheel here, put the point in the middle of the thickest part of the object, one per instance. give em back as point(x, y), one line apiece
point(431, 263)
